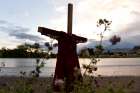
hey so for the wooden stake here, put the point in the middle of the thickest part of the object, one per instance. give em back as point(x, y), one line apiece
point(70, 15)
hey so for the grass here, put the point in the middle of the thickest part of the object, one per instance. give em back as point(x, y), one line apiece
point(44, 85)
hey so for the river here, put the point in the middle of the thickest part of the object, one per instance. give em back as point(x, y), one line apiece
point(106, 66)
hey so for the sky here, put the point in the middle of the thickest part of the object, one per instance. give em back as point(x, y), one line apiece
point(19, 20)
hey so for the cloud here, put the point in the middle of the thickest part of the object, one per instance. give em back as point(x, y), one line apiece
point(25, 36)
point(6, 26)
point(123, 13)
point(137, 13)
point(19, 32)
point(12, 29)
point(87, 12)
point(132, 29)
point(3, 22)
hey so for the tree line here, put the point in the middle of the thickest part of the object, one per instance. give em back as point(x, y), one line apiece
point(23, 51)
point(35, 51)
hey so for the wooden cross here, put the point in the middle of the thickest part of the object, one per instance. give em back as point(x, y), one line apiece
point(67, 59)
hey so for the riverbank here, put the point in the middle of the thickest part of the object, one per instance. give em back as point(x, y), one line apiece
point(43, 85)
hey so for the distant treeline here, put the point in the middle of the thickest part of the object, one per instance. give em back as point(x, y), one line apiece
point(19, 53)
point(23, 51)
point(111, 53)
point(34, 51)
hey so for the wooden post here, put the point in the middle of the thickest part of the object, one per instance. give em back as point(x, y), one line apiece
point(70, 14)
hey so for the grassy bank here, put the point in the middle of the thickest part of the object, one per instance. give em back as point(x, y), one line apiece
point(120, 84)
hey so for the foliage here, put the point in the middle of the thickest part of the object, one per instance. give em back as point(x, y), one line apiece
point(90, 83)
point(98, 49)
point(23, 51)
point(106, 26)
point(115, 39)
point(37, 71)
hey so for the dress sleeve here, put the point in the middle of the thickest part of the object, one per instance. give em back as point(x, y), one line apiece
point(79, 39)
point(49, 32)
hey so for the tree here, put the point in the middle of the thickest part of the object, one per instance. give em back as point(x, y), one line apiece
point(115, 39)
point(106, 26)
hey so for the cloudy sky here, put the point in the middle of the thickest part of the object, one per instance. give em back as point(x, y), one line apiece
point(19, 19)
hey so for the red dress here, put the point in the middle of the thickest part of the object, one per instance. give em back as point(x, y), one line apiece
point(67, 59)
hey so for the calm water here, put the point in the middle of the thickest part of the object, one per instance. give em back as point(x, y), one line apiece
point(107, 66)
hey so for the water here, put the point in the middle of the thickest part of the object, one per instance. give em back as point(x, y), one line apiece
point(106, 67)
